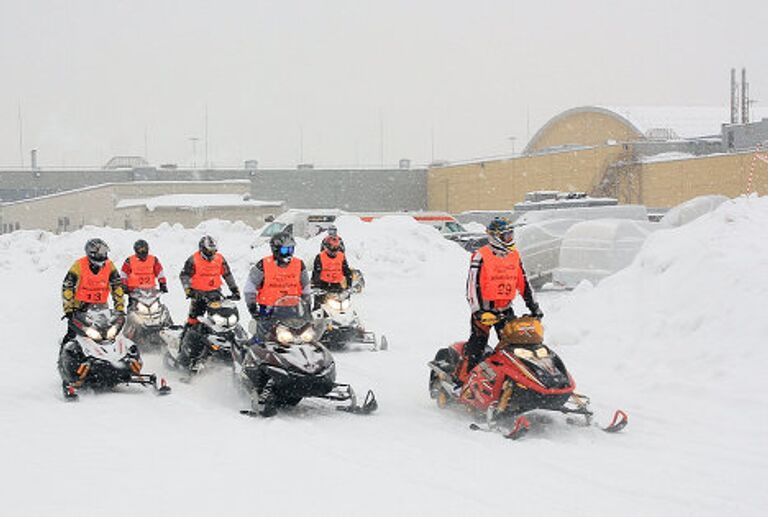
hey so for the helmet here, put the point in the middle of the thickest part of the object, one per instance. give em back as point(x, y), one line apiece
point(332, 244)
point(333, 231)
point(207, 246)
point(141, 247)
point(96, 250)
point(282, 245)
point(501, 234)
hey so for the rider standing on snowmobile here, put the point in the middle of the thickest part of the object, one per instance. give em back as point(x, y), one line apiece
point(276, 275)
point(331, 271)
point(201, 276)
point(90, 281)
point(142, 270)
point(496, 276)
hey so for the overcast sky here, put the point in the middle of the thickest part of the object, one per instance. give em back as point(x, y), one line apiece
point(333, 82)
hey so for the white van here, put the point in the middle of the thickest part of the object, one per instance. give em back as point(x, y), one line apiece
point(304, 223)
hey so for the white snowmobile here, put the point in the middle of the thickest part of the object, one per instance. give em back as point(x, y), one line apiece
point(285, 362)
point(99, 356)
point(342, 326)
point(147, 316)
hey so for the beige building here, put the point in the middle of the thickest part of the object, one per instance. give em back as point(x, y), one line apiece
point(139, 205)
point(659, 157)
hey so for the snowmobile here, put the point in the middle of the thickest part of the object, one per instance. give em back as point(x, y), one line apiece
point(99, 356)
point(285, 362)
point(342, 324)
point(520, 375)
point(212, 338)
point(147, 316)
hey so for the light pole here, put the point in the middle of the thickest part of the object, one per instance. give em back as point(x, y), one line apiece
point(512, 140)
point(194, 141)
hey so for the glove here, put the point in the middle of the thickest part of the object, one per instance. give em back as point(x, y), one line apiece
point(536, 311)
point(487, 318)
point(253, 308)
point(188, 292)
point(163, 287)
point(235, 294)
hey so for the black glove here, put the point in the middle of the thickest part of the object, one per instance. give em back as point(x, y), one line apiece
point(163, 287)
point(536, 311)
point(253, 308)
point(235, 294)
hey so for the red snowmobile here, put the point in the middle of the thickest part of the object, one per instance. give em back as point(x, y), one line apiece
point(522, 374)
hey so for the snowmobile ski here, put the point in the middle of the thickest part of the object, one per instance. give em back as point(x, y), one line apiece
point(618, 422)
point(70, 394)
point(520, 429)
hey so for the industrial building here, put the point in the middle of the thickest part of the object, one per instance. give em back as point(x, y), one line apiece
point(138, 205)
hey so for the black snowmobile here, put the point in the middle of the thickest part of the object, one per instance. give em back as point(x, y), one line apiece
point(213, 337)
point(147, 317)
point(285, 362)
point(99, 356)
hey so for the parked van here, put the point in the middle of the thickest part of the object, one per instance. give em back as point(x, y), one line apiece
point(304, 223)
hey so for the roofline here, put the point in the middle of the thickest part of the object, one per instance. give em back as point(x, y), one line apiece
point(119, 184)
point(572, 111)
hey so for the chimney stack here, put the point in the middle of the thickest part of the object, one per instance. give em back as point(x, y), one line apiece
point(744, 97)
point(734, 98)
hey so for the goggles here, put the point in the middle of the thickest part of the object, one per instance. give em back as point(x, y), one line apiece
point(507, 236)
point(286, 250)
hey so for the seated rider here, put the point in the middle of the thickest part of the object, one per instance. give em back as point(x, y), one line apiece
point(330, 271)
point(201, 279)
point(496, 276)
point(90, 281)
point(142, 270)
point(273, 277)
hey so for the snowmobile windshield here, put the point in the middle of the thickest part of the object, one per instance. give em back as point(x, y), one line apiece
point(290, 310)
point(147, 296)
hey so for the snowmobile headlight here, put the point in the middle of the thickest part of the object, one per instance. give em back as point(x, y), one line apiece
point(155, 307)
point(232, 319)
point(542, 352)
point(523, 353)
point(308, 335)
point(141, 308)
point(93, 334)
point(112, 332)
point(284, 336)
point(344, 304)
point(218, 319)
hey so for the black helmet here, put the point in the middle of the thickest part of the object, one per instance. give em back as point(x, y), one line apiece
point(207, 246)
point(141, 248)
point(96, 250)
point(282, 245)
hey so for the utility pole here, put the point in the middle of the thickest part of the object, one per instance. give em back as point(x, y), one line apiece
point(207, 163)
point(512, 140)
point(21, 139)
point(381, 138)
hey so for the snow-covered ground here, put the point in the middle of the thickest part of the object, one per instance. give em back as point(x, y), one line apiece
point(677, 339)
